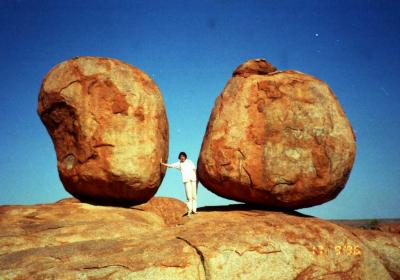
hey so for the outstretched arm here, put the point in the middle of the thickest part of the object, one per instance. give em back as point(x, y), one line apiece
point(166, 164)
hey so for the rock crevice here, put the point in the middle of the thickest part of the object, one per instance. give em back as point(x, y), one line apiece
point(200, 254)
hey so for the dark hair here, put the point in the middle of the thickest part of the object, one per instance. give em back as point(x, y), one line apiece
point(182, 154)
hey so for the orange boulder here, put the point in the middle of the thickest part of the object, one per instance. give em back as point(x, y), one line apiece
point(276, 138)
point(109, 127)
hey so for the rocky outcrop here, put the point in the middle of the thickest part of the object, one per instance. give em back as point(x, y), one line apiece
point(276, 138)
point(72, 240)
point(109, 128)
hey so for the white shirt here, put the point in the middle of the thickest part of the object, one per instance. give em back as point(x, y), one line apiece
point(187, 169)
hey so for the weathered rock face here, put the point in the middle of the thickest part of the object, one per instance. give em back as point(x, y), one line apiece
point(72, 240)
point(385, 245)
point(109, 127)
point(276, 138)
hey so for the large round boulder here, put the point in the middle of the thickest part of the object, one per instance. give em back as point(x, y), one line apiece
point(276, 138)
point(109, 127)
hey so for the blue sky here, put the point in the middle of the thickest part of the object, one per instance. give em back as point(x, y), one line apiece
point(190, 49)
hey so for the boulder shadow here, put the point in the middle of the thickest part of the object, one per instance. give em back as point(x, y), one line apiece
point(110, 203)
point(250, 207)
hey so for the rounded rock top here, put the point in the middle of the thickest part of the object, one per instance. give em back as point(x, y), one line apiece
point(257, 66)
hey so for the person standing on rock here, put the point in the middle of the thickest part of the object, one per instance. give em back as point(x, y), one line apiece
point(189, 179)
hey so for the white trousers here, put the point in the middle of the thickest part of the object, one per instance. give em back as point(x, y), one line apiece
point(191, 195)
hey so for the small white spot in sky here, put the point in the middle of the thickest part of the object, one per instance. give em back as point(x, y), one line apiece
point(384, 91)
point(316, 34)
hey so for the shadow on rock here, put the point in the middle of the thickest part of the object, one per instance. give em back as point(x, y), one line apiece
point(250, 207)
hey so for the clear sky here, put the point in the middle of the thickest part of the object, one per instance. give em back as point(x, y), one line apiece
point(190, 49)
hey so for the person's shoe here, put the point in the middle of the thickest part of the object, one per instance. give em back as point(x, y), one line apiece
point(194, 212)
